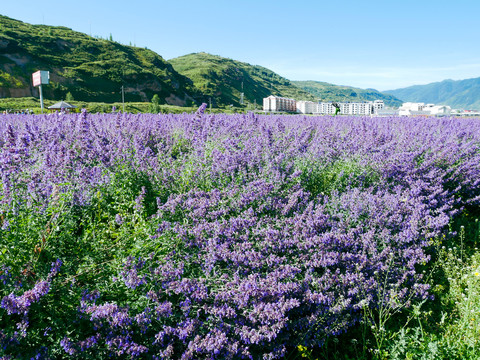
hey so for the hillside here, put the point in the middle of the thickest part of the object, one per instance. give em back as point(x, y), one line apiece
point(90, 69)
point(329, 92)
point(221, 79)
point(460, 94)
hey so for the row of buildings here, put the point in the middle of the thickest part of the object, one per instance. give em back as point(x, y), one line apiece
point(277, 103)
point(377, 107)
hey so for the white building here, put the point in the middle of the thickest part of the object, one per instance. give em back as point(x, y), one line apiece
point(326, 108)
point(276, 103)
point(439, 110)
point(410, 108)
point(422, 109)
point(378, 106)
point(307, 107)
point(352, 108)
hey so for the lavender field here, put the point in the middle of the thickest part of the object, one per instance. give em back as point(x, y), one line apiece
point(202, 236)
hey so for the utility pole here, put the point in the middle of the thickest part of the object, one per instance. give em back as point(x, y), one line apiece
point(241, 95)
point(123, 100)
point(41, 96)
point(123, 91)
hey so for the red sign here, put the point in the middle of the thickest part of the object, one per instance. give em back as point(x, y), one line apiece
point(37, 78)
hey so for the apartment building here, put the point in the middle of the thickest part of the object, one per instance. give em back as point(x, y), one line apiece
point(378, 106)
point(277, 103)
point(352, 108)
point(307, 107)
point(326, 108)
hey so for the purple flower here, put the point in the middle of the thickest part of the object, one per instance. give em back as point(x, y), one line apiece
point(119, 219)
point(68, 346)
point(20, 304)
point(200, 111)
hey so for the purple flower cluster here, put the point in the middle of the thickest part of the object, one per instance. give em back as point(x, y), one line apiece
point(269, 231)
point(113, 331)
point(19, 306)
point(130, 273)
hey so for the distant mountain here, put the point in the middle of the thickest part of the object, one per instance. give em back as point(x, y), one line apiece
point(329, 92)
point(459, 94)
point(221, 79)
point(90, 69)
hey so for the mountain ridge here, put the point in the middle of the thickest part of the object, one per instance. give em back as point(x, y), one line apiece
point(462, 94)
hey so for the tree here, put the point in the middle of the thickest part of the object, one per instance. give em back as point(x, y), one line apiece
point(155, 105)
point(69, 97)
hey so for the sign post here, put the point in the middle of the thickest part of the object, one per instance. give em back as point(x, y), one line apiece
point(39, 78)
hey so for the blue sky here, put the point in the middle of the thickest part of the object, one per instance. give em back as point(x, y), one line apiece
point(368, 44)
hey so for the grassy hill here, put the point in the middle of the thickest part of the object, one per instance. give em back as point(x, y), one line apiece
point(221, 79)
point(94, 70)
point(90, 69)
point(460, 94)
point(329, 92)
